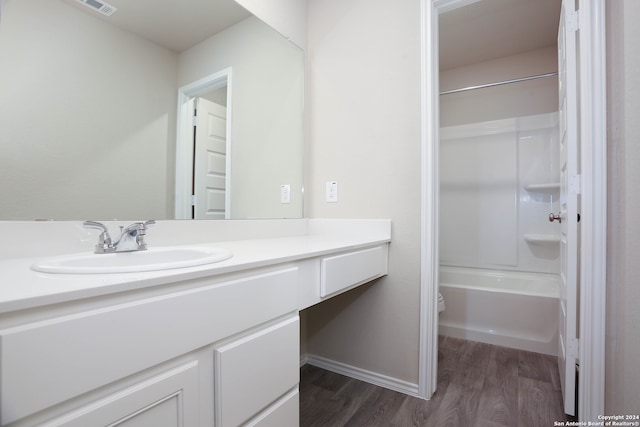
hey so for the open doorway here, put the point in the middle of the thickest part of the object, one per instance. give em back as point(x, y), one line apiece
point(592, 201)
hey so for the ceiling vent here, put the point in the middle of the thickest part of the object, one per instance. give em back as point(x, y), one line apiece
point(100, 6)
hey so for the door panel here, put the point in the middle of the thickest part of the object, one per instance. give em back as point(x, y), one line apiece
point(569, 192)
point(211, 161)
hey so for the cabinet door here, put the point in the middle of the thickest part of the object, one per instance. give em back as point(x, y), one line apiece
point(254, 371)
point(169, 399)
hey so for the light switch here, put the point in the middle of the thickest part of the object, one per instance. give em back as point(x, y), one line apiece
point(332, 191)
point(285, 193)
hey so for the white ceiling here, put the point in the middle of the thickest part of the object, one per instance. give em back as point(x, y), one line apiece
point(481, 31)
point(174, 24)
point(491, 29)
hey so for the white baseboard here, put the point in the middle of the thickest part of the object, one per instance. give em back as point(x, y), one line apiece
point(361, 374)
point(304, 359)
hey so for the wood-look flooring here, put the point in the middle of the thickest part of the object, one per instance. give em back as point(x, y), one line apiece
point(479, 385)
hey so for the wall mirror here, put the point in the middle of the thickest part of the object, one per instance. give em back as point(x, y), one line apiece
point(92, 119)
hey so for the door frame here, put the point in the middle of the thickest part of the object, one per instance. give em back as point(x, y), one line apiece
point(184, 140)
point(593, 205)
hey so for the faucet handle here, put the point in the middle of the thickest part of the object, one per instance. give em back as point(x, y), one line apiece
point(142, 231)
point(147, 223)
point(98, 226)
point(140, 227)
point(137, 230)
point(104, 241)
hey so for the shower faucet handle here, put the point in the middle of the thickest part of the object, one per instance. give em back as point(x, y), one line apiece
point(555, 217)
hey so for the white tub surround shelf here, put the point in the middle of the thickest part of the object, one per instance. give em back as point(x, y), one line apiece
point(543, 188)
point(146, 347)
point(542, 238)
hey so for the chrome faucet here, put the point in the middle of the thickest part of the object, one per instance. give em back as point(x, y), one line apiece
point(131, 237)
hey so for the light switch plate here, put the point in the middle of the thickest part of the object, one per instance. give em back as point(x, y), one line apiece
point(332, 191)
point(285, 193)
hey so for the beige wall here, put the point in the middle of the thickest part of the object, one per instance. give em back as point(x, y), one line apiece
point(363, 111)
point(87, 112)
point(623, 282)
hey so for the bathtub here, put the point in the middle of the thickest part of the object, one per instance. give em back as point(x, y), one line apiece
point(511, 309)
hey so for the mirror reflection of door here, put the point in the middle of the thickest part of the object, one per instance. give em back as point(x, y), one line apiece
point(210, 156)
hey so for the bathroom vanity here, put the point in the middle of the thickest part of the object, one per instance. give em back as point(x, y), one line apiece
point(217, 344)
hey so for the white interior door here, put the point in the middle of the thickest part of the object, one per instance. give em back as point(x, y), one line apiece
point(569, 193)
point(210, 166)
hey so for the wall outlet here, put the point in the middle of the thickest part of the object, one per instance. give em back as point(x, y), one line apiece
point(332, 191)
point(285, 193)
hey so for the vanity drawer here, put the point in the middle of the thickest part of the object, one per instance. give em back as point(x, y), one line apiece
point(254, 371)
point(44, 363)
point(285, 412)
point(340, 272)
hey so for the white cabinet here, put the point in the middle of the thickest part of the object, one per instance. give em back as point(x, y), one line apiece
point(169, 399)
point(53, 364)
point(256, 370)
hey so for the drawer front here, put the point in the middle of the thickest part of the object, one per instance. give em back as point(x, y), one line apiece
point(255, 371)
point(340, 272)
point(47, 362)
point(285, 412)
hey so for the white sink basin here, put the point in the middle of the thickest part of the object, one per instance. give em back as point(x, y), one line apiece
point(162, 258)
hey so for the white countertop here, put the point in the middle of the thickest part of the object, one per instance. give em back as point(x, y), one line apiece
point(22, 288)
